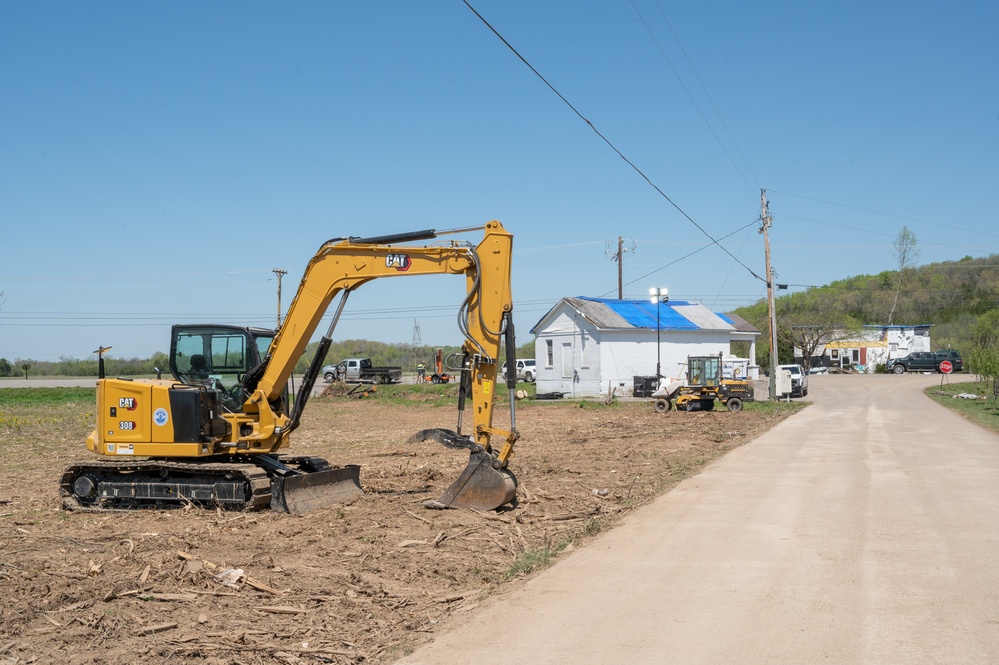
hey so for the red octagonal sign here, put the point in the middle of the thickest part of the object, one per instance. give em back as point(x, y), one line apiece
point(946, 367)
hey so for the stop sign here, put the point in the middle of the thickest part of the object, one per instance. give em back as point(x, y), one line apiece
point(946, 367)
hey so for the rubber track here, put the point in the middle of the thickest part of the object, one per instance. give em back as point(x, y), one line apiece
point(256, 477)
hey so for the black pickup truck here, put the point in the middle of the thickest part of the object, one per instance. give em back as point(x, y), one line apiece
point(926, 361)
point(360, 370)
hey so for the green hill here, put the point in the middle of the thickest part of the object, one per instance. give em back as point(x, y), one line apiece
point(952, 297)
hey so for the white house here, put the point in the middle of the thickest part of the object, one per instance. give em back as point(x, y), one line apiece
point(585, 346)
point(872, 346)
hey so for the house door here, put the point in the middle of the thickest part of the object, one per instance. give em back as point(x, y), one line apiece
point(567, 364)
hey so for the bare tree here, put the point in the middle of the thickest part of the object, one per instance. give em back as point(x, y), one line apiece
point(809, 332)
point(809, 320)
point(904, 249)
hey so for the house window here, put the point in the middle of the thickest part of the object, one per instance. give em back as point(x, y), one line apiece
point(856, 355)
point(567, 365)
point(584, 356)
point(551, 353)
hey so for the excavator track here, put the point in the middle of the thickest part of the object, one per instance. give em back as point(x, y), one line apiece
point(128, 485)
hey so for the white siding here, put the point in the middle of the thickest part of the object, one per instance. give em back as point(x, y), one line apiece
point(575, 369)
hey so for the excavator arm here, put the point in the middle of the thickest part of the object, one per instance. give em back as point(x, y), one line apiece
point(486, 319)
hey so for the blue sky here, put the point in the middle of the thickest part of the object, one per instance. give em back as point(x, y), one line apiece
point(158, 160)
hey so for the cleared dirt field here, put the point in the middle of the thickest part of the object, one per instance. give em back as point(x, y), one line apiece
point(365, 582)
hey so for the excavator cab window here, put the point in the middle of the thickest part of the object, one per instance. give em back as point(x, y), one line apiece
point(703, 371)
point(217, 356)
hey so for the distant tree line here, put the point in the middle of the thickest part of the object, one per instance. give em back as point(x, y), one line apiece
point(381, 353)
point(88, 367)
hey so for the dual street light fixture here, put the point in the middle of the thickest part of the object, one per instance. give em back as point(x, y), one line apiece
point(658, 296)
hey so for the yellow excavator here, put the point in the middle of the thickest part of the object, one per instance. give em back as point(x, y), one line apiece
point(213, 434)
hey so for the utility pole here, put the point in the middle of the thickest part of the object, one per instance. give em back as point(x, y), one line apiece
point(619, 257)
point(280, 273)
point(771, 310)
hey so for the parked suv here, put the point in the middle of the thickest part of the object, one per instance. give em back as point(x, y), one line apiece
point(526, 370)
point(953, 356)
point(925, 361)
point(799, 380)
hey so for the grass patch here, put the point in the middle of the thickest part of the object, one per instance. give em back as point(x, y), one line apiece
point(530, 561)
point(535, 560)
point(19, 397)
point(773, 408)
point(982, 412)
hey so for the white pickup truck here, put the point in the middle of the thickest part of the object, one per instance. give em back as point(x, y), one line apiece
point(526, 370)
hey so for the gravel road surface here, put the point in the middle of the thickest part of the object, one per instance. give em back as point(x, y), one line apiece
point(862, 530)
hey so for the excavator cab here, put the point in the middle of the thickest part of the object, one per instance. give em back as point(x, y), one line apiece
point(219, 356)
point(703, 371)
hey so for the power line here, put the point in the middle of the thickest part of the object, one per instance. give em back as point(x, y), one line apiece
point(608, 142)
point(685, 256)
point(880, 233)
point(888, 214)
point(683, 85)
point(708, 95)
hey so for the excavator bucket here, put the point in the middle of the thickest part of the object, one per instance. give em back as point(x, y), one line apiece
point(482, 485)
point(446, 437)
point(304, 492)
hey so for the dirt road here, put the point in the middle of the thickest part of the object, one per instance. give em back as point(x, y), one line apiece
point(864, 530)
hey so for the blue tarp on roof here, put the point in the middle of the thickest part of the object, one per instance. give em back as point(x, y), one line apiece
point(725, 319)
point(642, 313)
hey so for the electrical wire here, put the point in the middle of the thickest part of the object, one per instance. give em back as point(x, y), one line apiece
point(610, 144)
point(708, 95)
point(686, 90)
point(878, 233)
point(888, 214)
point(685, 256)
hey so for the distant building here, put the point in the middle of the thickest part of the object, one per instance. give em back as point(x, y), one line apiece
point(585, 346)
point(872, 346)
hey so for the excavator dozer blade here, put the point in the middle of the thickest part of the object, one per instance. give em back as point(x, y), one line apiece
point(480, 486)
point(304, 492)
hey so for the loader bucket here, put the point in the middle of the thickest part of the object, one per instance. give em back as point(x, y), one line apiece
point(304, 492)
point(481, 486)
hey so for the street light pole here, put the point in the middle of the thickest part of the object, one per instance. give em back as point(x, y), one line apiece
point(659, 295)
